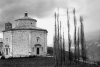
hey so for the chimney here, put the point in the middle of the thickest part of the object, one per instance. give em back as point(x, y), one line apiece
point(26, 14)
point(8, 26)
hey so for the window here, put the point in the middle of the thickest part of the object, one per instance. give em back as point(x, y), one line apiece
point(7, 46)
point(6, 39)
point(37, 38)
point(6, 51)
point(33, 49)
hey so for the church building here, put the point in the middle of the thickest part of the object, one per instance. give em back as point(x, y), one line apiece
point(24, 39)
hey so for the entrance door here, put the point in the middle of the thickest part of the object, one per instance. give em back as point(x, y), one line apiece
point(37, 50)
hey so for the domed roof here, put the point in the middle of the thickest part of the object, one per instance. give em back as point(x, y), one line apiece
point(21, 28)
point(27, 28)
point(26, 17)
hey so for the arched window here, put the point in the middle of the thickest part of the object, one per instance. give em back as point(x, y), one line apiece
point(37, 38)
point(7, 49)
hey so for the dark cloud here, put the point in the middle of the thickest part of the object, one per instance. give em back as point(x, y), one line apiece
point(6, 3)
point(34, 7)
point(14, 9)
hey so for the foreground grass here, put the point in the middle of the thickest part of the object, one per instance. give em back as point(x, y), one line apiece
point(37, 62)
point(27, 62)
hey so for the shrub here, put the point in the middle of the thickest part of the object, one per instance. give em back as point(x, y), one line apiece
point(10, 58)
point(2, 57)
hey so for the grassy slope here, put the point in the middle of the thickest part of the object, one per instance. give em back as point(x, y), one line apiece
point(27, 62)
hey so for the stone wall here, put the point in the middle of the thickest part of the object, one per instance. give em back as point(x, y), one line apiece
point(42, 41)
point(7, 41)
point(23, 42)
point(25, 23)
point(20, 43)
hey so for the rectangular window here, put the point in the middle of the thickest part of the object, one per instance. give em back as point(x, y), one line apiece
point(6, 51)
point(33, 49)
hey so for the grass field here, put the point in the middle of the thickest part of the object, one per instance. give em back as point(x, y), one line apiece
point(27, 62)
point(36, 62)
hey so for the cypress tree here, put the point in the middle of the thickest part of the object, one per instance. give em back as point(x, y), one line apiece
point(83, 45)
point(69, 39)
point(75, 34)
point(78, 48)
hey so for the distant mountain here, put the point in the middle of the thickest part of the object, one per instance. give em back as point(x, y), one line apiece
point(93, 51)
point(93, 45)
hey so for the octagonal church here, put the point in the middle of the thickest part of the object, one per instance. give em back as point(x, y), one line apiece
point(24, 39)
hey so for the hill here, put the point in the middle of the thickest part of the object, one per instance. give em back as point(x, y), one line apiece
point(93, 51)
point(50, 51)
point(93, 45)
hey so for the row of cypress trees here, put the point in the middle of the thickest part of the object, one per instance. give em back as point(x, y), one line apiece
point(79, 40)
point(59, 41)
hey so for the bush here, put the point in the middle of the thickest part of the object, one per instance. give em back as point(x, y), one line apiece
point(50, 50)
point(3, 57)
point(32, 56)
point(98, 63)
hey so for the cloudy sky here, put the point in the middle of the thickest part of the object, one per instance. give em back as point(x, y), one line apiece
point(43, 11)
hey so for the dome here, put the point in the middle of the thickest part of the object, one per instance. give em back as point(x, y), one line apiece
point(26, 17)
point(25, 21)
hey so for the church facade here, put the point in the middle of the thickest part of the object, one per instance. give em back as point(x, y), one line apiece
point(24, 39)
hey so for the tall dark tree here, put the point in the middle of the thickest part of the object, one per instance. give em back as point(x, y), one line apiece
point(78, 45)
point(63, 53)
point(69, 38)
point(55, 40)
point(83, 44)
point(75, 44)
point(58, 44)
point(58, 40)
